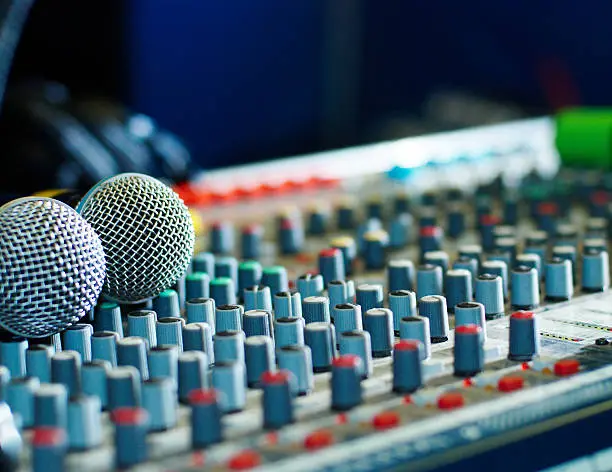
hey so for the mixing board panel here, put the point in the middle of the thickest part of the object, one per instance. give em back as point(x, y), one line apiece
point(404, 306)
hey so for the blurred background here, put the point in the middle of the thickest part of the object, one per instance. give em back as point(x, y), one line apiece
point(240, 81)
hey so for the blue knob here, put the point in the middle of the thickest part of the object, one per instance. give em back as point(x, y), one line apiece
point(566, 253)
point(163, 362)
point(428, 216)
point(51, 405)
point(490, 292)
point(204, 262)
point(229, 346)
point(170, 331)
point(358, 343)
point(256, 323)
point(84, 422)
point(345, 215)
point(487, 236)
point(228, 317)
point(316, 309)
point(257, 297)
point(321, 339)
point(437, 258)
point(525, 288)
point(417, 328)
point(197, 285)
point(131, 427)
point(133, 351)
point(288, 331)
point(401, 203)
point(38, 363)
point(201, 310)
point(473, 251)
point(407, 371)
point(222, 238)
point(66, 369)
point(259, 356)
point(536, 238)
point(206, 426)
point(511, 209)
point(166, 304)
point(430, 238)
point(596, 227)
point(108, 318)
point(249, 275)
point(331, 265)
point(371, 224)
point(223, 291)
point(348, 248)
point(433, 307)
point(104, 346)
point(559, 282)
point(456, 221)
point(93, 379)
point(524, 336)
point(400, 275)
point(297, 359)
point(369, 296)
point(227, 267)
point(595, 270)
point(429, 280)
point(541, 252)
point(337, 290)
point(283, 307)
point(458, 287)
point(379, 323)
point(468, 350)
point(20, 397)
point(346, 382)
point(471, 313)
point(375, 247)
point(250, 241)
point(566, 235)
point(290, 236)
point(374, 207)
point(277, 399)
point(276, 278)
point(158, 398)
point(142, 323)
point(497, 267)
point(192, 373)
point(123, 387)
point(400, 230)
point(467, 263)
point(310, 285)
point(198, 337)
point(530, 260)
point(78, 338)
point(12, 355)
point(49, 447)
point(228, 378)
point(401, 303)
point(347, 317)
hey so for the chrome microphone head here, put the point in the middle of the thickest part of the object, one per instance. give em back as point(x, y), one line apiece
point(146, 231)
point(52, 266)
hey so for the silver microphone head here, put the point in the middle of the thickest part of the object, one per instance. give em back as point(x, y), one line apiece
point(52, 266)
point(146, 231)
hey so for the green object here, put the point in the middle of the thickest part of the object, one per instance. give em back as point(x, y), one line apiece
point(584, 137)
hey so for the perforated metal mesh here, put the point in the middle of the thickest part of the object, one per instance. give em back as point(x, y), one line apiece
point(52, 266)
point(146, 231)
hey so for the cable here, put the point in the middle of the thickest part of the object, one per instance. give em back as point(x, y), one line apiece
point(13, 14)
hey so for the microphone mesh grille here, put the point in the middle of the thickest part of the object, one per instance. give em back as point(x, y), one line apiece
point(146, 231)
point(52, 266)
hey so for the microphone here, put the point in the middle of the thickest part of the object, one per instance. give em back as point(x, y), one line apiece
point(146, 231)
point(52, 266)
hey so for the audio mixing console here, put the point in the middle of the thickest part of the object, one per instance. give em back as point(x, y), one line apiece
point(422, 304)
